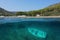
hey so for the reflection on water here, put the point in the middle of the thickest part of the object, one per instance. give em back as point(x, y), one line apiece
point(17, 30)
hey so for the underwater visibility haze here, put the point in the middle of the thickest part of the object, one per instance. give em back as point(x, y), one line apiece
point(30, 29)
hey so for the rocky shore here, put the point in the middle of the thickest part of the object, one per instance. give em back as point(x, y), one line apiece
point(29, 16)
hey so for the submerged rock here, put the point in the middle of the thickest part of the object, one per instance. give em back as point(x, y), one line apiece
point(37, 33)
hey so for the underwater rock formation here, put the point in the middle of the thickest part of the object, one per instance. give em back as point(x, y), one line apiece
point(37, 33)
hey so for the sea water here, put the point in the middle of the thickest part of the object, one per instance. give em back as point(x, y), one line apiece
point(17, 28)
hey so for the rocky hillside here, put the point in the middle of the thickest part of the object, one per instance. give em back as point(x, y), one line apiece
point(5, 12)
point(53, 10)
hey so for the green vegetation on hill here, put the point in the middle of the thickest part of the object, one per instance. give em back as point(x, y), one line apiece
point(52, 10)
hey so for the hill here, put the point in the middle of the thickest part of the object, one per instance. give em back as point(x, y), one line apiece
point(4, 12)
point(52, 10)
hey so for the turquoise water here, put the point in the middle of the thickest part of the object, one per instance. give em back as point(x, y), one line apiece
point(16, 28)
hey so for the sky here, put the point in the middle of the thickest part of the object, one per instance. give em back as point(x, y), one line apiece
point(26, 5)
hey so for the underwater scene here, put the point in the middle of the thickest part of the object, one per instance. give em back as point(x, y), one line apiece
point(30, 29)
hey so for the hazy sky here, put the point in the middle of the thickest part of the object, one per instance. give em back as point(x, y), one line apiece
point(26, 5)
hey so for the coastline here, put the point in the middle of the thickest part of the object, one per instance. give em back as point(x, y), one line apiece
point(29, 17)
